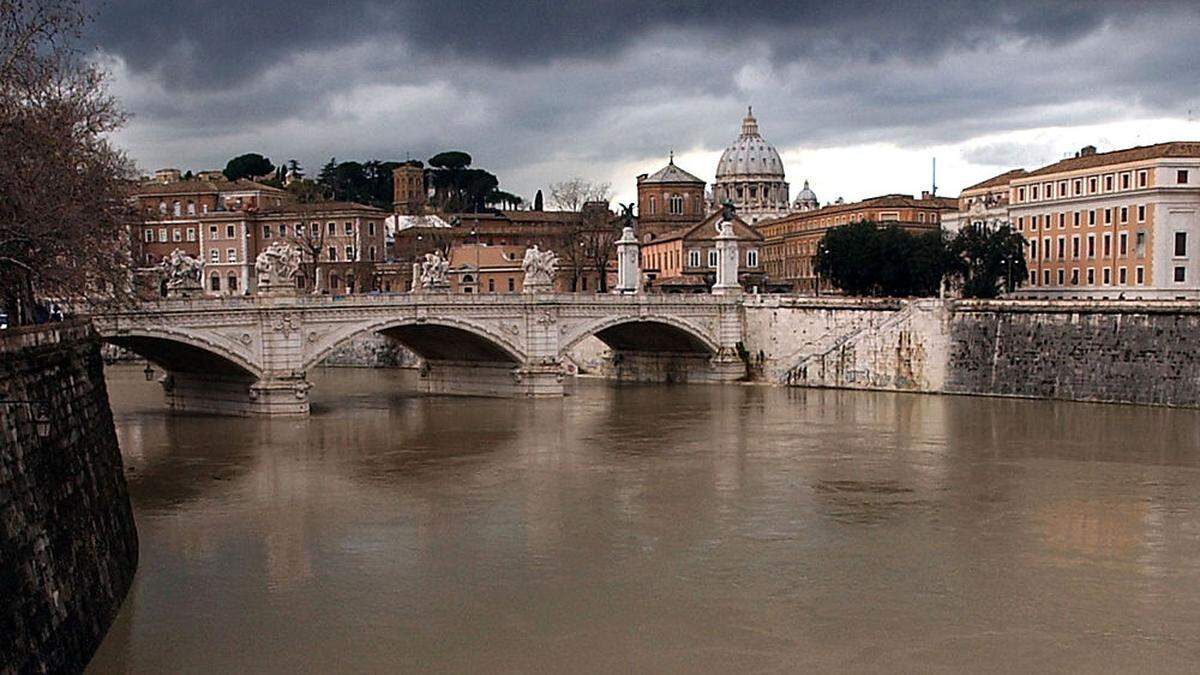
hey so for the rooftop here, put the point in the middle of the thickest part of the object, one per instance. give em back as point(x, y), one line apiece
point(1139, 153)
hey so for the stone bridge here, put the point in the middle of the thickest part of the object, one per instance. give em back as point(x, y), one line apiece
point(250, 355)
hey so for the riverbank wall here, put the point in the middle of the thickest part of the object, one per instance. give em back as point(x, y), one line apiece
point(68, 544)
point(1106, 351)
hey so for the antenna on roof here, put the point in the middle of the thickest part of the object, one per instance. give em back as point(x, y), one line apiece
point(933, 186)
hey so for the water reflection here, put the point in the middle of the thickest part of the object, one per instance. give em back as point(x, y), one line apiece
point(645, 528)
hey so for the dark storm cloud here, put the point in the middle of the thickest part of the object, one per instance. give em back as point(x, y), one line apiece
point(194, 44)
point(539, 90)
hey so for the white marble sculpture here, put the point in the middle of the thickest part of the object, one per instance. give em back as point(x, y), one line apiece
point(185, 274)
point(539, 267)
point(433, 272)
point(276, 268)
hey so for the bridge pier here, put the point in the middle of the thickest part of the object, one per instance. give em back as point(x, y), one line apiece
point(491, 379)
point(222, 394)
point(675, 367)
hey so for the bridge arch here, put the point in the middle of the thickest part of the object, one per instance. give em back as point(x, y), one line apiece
point(437, 338)
point(646, 333)
point(180, 351)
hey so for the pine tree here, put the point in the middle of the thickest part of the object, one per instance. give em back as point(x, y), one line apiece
point(537, 201)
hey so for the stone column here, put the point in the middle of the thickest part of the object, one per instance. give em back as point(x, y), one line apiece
point(629, 271)
point(727, 261)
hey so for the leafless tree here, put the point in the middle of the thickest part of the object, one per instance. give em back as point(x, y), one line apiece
point(572, 194)
point(65, 211)
point(308, 233)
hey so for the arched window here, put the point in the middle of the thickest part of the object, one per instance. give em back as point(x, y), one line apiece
point(653, 204)
point(335, 282)
point(215, 282)
point(191, 207)
point(233, 284)
point(162, 207)
point(675, 205)
point(176, 208)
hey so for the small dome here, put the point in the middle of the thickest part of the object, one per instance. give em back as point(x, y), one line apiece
point(750, 155)
point(806, 200)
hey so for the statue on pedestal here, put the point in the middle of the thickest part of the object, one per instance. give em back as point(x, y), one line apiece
point(432, 273)
point(276, 268)
point(539, 267)
point(185, 274)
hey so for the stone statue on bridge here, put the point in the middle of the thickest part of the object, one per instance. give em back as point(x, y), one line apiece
point(433, 273)
point(539, 267)
point(276, 268)
point(185, 274)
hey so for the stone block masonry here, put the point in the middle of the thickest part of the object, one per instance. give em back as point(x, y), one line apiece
point(1143, 352)
point(68, 545)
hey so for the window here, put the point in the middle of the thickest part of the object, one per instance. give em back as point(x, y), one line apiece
point(1091, 246)
point(1092, 185)
point(712, 257)
point(162, 207)
point(1062, 220)
point(675, 205)
point(752, 258)
point(1140, 275)
point(371, 255)
point(1181, 176)
point(1107, 244)
point(1062, 276)
point(349, 253)
point(1141, 179)
point(149, 238)
point(176, 234)
point(266, 231)
point(1021, 194)
point(1062, 188)
point(332, 228)
point(1125, 181)
point(1045, 277)
point(1141, 213)
point(1033, 193)
point(1062, 248)
point(229, 232)
point(491, 285)
point(1033, 277)
point(583, 283)
point(232, 282)
point(1091, 276)
point(1046, 248)
point(1033, 249)
point(162, 234)
point(333, 253)
point(1107, 216)
point(214, 255)
point(510, 284)
point(204, 208)
point(1075, 219)
point(1075, 247)
point(231, 255)
point(1078, 185)
point(1107, 276)
point(1122, 276)
point(1123, 243)
point(694, 258)
point(1033, 222)
point(1108, 183)
point(215, 282)
point(921, 217)
point(191, 234)
point(1092, 217)
point(1180, 274)
point(191, 208)
point(282, 230)
point(1139, 244)
point(651, 208)
point(349, 228)
point(212, 231)
point(176, 208)
point(1075, 276)
point(1180, 244)
point(1021, 224)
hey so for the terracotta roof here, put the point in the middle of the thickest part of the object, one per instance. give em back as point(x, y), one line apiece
point(320, 207)
point(671, 174)
point(486, 257)
point(1141, 152)
point(706, 229)
point(997, 181)
point(880, 202)
point(191, 187)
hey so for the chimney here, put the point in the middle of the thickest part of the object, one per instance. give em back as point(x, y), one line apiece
point(1087, 151)
point(925, 194)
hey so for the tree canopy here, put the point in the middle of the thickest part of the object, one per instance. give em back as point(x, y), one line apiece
point(457, 188)
point(248, 165)
point(367, 182)
point(865, 259)
point(991, 260)
point(64, 208)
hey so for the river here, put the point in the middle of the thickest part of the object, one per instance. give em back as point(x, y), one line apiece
point(658, 529)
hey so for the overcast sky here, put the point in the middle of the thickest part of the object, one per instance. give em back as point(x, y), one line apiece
point(857, 96)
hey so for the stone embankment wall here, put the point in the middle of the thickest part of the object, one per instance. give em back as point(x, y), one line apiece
point(1111, 351)
point(68, 546)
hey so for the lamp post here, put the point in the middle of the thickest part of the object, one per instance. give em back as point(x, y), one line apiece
point(41, 414)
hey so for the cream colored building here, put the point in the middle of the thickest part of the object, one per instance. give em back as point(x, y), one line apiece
point(1122, 224)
